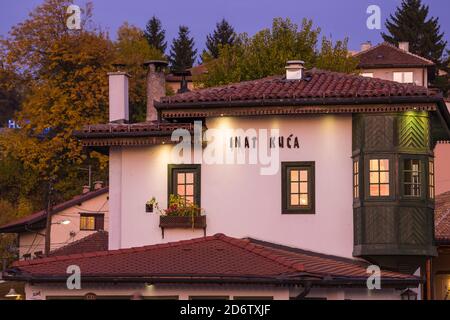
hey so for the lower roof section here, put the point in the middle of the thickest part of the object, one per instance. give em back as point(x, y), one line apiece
point(211, 259)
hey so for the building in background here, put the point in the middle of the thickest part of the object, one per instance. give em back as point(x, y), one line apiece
point(388, 62)
point(72, 220)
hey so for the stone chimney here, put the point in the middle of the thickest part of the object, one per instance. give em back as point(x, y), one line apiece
point(294, 69)
point(156, 86)
point(118, 97)
point(366, 46)
point(404, 46)
point(86, 189)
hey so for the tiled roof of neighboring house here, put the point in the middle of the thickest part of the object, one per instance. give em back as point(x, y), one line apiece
point(317, 87)
point(94, 242)
point(386, 55)
point(37, 219)
point(217, 258)
point(442, 218)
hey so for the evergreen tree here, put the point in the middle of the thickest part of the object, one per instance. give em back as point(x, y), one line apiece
point(155, 34)
point(182, 52)
point(223, 35)
point(411, 23)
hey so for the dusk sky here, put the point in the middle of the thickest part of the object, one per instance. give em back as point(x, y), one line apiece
point(336, 18)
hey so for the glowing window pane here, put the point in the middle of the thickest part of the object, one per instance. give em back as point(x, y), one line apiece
point(303, 199)
point(181, 190)
point(374, 190)
point(374, 165)
point(189, 178)
point(294, 200)
point(294, 187)
point(303, 187)
point(190, 190)
point(303, 175)
point(374, 177)
point(294, 175)
point(180, 178)
point(384, 190)
point(384, 177)
point(384, 165)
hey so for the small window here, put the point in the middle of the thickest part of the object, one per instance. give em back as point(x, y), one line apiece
point(367, 74)
point(298, 187)
point(403, 77)
point(356, 179)
point(412, 170)
point(379, 178)
point(184, 180)
point(91, 222)
point(431, 179)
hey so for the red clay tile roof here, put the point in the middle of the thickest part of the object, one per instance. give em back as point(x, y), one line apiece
point(386, 55)
point(442, 217)
point(95, 242)
point(37, 219)
point(317, 84)
point(213, 258)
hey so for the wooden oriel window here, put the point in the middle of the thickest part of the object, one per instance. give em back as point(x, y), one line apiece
point(298, 187)
point(412, 177)
point(184, 180)
point(379, 178)
point(91, 222)
point(355, 179)
point(431, 182)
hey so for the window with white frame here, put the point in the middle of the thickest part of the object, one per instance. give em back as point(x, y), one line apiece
point(403, 77)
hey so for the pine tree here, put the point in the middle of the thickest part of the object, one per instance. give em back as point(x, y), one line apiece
point(223, 35)
point(411, 23)
point(182, 52)
point(155, 35)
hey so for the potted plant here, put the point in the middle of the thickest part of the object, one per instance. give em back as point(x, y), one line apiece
point(150, 204)
point(182, 214)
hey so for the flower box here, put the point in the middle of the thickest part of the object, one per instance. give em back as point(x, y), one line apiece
point(182, 222)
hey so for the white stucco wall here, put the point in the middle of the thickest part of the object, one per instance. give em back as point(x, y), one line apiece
point(238, 200)
point(60, 233)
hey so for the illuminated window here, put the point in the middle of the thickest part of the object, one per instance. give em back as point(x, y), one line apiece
point(379, 177)
point(91, 222)
point(412, 170)
point(355, 179)
point(367, 74)
point(184, 180)
point(431, 179)
point(298, 187)
point(403, 77)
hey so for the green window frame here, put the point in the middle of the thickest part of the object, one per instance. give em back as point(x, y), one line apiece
point(431, 179)
point(412, 177)
point(379, 178)
point(185, 180)
point(356, 170)
point(298, 187)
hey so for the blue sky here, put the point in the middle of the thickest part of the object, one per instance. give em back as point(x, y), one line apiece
point(338, 18)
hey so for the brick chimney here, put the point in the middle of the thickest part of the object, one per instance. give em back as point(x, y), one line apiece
point(118, 97)
point(98, 185)
point(404, 46)
point(156, 86)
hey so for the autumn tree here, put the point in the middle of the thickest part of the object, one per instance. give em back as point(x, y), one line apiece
point(132, 50)
point(155, 34)
point(224, 34)
point(64, 73)
point(335, 57)
point(182, 52)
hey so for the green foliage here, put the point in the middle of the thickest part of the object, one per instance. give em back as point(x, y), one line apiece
point(336, 57)
point(132, 50)
point(155, 34)
point(178, 206)
point(411, 23)
point(266, 53)
point(223, 35)
point(182, 52)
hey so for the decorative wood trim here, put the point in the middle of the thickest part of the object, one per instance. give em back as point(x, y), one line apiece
point(201, 112)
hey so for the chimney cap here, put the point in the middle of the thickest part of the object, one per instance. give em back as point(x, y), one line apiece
point(294, 62)
point(156, 63)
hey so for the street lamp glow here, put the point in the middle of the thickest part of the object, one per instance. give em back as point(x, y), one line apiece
point(65, 222)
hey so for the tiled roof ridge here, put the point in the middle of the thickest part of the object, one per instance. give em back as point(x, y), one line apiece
point(241, 243)
point(262, 251)
point(385, 43)
point(79, 241)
